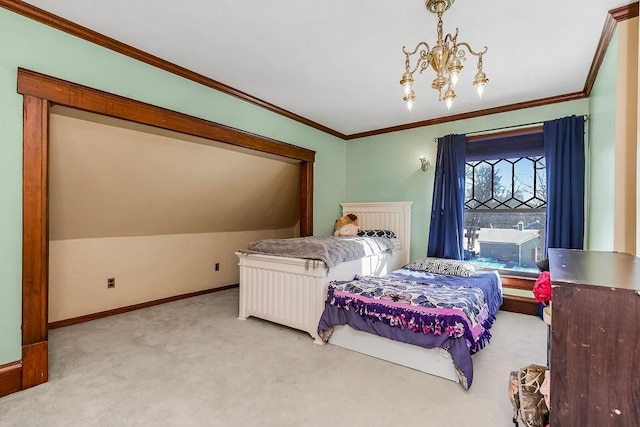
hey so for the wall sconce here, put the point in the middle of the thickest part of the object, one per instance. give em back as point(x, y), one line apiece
point(424, 164)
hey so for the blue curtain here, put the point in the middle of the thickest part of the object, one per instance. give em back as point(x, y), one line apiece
point(447, 213)
point(565, 157)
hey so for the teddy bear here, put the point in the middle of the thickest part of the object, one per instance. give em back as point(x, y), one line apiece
point(346, 226)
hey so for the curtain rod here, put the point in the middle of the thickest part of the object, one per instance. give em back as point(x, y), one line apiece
point(524, 125)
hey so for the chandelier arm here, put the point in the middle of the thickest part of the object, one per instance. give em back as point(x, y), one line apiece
point(413, 52)
point(421, 61)
point(423, 57)
point(471, 51)
point(461, 54)
point(452, 38)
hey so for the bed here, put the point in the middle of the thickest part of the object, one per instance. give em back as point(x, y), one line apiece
point(414, 317)
point(292, 291)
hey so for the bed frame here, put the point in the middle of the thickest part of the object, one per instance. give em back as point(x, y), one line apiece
point(435, 361)
point(292, 291)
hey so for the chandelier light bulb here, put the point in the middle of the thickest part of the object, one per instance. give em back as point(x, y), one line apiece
point(409, 99)
point(448, 97)
point(479, 81)
point(454, 79)
point(455, 66)
point(407, 89)
point(407, 83)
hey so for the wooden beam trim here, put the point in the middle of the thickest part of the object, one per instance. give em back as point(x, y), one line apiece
point(306, 199)
point(96, 101)
point(35, 364)
point(625, 12)
point(10, 378)
point(615, 15)
point(35, 221)
point(84, 33)
point(601, 50)
point(472, 114)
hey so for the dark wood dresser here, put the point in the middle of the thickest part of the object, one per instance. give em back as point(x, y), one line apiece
point(595, 338)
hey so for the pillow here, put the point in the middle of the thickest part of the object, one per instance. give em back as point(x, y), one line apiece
point(377, 233)
point(452, 267)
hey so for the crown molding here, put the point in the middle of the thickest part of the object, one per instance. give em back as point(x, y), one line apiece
point(478, 113)
point(614, 16)
point(96, 101)
point(74, 29)
point(623, 13)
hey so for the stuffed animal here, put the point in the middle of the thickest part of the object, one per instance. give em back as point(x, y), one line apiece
point(346, 226)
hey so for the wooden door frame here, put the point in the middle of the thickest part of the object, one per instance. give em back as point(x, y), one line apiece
point(40, 92)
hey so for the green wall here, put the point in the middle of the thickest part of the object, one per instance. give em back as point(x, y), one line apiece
point(602, 152)
point(36, 47)
point(386, 167)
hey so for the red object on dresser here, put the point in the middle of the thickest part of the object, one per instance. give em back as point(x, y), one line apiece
point(542, 288)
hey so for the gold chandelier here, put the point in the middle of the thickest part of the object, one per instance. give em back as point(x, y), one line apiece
point(445, 58)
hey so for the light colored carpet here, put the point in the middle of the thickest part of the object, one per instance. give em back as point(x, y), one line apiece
point(192, 363)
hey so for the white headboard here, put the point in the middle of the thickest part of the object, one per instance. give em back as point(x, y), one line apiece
point(394, 216)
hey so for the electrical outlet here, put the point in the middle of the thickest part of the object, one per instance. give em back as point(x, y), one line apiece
point(111, 282)
point(217, 266)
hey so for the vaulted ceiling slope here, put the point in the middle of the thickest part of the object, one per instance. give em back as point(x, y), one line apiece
point(336, 65)
point(175, 183)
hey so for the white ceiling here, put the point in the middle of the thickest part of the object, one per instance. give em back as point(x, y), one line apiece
point(338, 63)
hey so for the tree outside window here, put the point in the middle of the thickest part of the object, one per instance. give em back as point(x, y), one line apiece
point(505, 213)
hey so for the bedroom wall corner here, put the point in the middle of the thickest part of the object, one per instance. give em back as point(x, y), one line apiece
point(602, 153)
point(613, 154)
point(626, 142)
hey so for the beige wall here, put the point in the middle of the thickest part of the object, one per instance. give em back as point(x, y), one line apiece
point(145, 268)
point(155, 210)
point(626, 138)
point(112, 178)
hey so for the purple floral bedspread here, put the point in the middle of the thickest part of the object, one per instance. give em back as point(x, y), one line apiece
point(451, 313)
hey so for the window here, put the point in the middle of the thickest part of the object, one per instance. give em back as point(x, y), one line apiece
point(505, 203)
